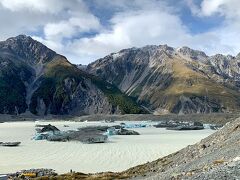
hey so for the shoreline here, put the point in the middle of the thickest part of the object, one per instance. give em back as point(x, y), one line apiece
point(216, 118)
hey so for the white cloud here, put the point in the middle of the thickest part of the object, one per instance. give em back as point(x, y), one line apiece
point(133, 29)
point(228, 8)
point(61, 25)
point(227, 34)
point(26, 16)
point(70, 27)
point(39, 5)
point(140, 23)
point(42, 6)
point(193, 7)
point(53, 20)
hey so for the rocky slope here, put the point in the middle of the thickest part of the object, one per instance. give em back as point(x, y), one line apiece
point(35, 78)
point(165, 79)
point(215, 157)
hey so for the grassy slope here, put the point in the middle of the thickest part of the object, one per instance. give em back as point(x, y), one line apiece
point(193, 84)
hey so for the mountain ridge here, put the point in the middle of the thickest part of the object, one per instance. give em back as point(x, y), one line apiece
point(35, 78)
point(199, 83)
point(161, 79)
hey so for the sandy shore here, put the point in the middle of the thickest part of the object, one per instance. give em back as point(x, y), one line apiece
point(120, 153)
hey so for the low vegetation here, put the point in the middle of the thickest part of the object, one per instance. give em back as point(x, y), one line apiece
point(12, 88)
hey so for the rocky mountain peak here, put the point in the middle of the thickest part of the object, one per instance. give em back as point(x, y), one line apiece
point(238, 56)
point(220, 59)
point(230, 57)
point(218, 56)
point(190, 53)
point(21, 37)
point(166, 48)
point(148, 48)
point(27, 49)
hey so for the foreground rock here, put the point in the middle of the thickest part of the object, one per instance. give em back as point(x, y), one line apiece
point(127, 132)
point(228, 171)
point(32, 173)
point(184, 128)
point(10, 144)
point(179, 126)
point(46, 128)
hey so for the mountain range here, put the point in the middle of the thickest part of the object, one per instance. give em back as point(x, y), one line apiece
point(155, 79)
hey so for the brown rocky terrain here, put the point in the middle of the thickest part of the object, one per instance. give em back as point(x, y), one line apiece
point(181, 81)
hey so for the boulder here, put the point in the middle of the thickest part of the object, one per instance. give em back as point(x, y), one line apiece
point(47, 128)
point(127, 132)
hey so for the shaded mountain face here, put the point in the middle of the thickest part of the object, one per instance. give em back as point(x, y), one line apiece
point(36, 79)
point(168, 80)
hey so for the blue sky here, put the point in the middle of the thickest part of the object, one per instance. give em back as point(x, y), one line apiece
point(85, 30)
